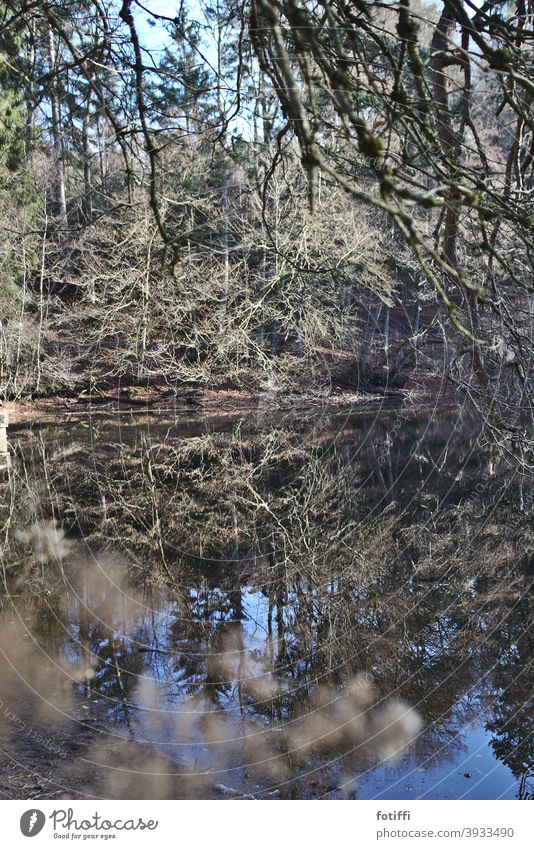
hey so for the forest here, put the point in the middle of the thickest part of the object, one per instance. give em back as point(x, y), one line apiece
point(272, 199)
point(266, 435)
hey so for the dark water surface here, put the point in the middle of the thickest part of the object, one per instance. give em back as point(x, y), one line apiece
point(283, 606)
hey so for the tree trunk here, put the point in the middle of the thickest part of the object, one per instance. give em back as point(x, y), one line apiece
point(57, 136)
point(87, 180)
point(226, 259)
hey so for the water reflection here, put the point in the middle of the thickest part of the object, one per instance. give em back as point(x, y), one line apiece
point(323, 606)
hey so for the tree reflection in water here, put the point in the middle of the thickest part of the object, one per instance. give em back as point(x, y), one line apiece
point(283, 608)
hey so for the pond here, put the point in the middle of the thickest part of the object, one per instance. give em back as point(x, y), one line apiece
point(279, 605)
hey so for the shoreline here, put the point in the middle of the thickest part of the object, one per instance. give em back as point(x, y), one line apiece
point(208, 402)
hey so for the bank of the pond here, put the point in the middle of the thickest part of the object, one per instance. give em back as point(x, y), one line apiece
point(159, 400)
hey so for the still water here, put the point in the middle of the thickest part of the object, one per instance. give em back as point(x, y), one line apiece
point(276, 606)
